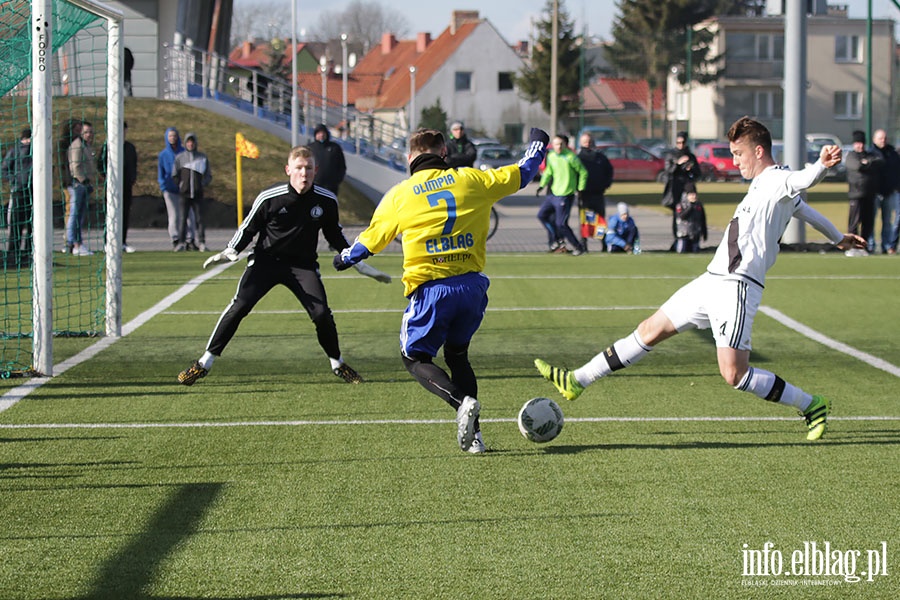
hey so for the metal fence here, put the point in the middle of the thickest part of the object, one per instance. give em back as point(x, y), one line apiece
point(194, 73)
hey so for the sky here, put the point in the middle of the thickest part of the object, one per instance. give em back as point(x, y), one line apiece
point(512, 18)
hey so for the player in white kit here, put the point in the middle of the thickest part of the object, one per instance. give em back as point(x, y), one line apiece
point(727, 296)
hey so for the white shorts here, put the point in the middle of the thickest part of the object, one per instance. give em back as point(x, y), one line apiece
point(728, 306)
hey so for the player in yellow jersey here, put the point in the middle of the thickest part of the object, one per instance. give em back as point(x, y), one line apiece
point(443, 214)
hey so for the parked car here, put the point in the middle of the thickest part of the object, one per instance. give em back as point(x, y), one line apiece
point(600, 134)
point(634, 163)
point(835, 173)
point(485, 142)
point(816, 140)
point(655, 145)
point(489, 156)
point(716, 162)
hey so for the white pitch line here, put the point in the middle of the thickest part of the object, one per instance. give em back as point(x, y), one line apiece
point(356, 422)
point(401, 309)
point(16, 394)
point(823, 339)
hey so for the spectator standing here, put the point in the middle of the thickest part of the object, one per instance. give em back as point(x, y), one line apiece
point(129, 65)
point(83, 167)
point(167, 184)
point(192, 173)
point(681, 167)
point(443, 261)
point(330, 164)
point(622, 233)
point(460, 149)
point(129, 178)
point(70, 130)
point(888, 192)
point(600, 176)
point(690, 221)
point(863, 180)
point(566, 175)
point(16, 169)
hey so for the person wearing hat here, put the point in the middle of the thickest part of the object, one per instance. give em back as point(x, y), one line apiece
point(460, 150)
point(863, 180)
point(192, 174)
point(16, 170)
point(690, 221)
point(621, 232)
point(330, 164)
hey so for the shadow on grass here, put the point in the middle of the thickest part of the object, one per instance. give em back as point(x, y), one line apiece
point(127, 573)
point(718, 445)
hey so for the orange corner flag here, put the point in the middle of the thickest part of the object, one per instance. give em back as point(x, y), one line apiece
point(245, 148)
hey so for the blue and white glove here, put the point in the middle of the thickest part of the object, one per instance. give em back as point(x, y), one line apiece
point(339, 263)
point(539, 135)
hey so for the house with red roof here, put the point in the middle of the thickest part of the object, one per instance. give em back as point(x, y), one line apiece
point(468, 67)
point(623, 105)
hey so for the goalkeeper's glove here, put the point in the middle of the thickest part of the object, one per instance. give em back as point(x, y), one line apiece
point(370, 271)
point(228, 254)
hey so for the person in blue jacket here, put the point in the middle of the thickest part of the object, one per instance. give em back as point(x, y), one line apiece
point(621, 232)
point(167, 184)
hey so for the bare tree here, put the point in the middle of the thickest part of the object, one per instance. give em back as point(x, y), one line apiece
point(363, 22)
point(260, 19)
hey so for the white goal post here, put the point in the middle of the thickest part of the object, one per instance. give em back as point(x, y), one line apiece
point(42, 24)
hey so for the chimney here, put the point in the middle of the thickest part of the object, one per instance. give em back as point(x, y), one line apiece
point(423, 40)
point(461, 17)
point(388, 43)
point(246, 49)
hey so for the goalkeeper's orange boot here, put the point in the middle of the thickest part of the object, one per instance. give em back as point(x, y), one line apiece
point(192, 373)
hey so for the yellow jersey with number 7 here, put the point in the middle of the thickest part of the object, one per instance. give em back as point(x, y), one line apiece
point(443, 215)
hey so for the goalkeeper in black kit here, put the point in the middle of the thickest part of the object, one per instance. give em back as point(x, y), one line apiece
point(287, 219)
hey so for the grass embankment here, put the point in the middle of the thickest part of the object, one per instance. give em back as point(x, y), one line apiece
point(148, 120)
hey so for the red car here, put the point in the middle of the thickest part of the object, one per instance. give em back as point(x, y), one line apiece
point(633, 163)
point(716, 163)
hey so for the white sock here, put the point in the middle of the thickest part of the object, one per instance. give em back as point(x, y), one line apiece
point(336, 362)
point(773, 388)
point(621, 354)
point(206, 360)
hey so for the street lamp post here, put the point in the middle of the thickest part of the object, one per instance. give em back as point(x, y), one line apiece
point(412, 100)
point(344, 77)
point(323, 68)
point(295, 101)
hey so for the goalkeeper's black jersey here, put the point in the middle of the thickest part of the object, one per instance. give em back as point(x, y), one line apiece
point(288, 225)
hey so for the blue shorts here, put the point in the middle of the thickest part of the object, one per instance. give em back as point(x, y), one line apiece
point(444, 311)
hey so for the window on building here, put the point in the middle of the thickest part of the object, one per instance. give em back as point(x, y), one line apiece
point(847, 49)
point(463, 81)
point(682, 105)
point(766, 47)
point(768, 104)
point(505, 81)
point(847, 105)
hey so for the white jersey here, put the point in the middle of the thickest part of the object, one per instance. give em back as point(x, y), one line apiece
point(750, 244)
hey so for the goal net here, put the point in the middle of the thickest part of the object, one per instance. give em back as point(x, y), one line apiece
point(60, 234)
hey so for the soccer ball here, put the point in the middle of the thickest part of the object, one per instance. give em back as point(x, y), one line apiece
point(540, 420)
